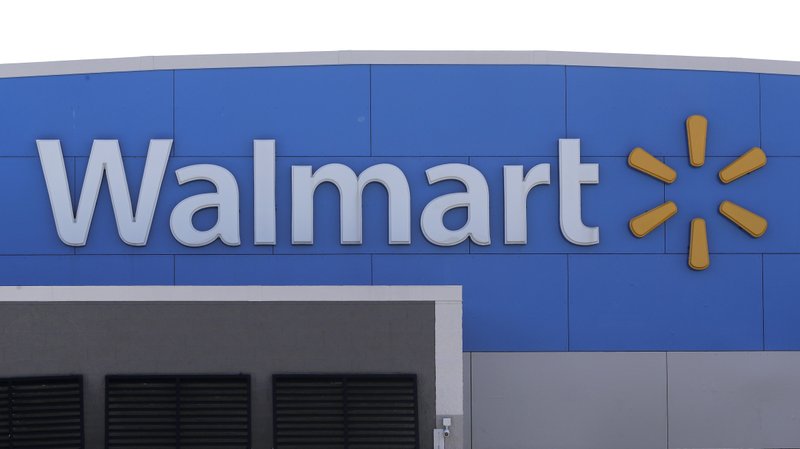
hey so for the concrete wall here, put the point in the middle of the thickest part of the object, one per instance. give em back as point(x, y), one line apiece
point(636, 400)
point(258, 338)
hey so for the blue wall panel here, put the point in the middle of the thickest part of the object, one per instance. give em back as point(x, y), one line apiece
point(131, 107)
point(780, 114)
point(272, 270)
point(310, 111)
point(511, 302)
point(467, 110)
point(615, 110)
point(698, 192)
point(655, 303)
point(86, 270)
point(604, 297)
point(27, 226)
point(782, 302)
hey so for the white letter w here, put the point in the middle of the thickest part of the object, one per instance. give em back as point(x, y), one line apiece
point(105, 159)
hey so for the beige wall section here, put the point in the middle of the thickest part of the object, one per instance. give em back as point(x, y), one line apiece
point(734, 399)
point(607, 400)
point(467, 400)
point(398, 57)
point(449, 375)
point(449, 372)
point(569, 400)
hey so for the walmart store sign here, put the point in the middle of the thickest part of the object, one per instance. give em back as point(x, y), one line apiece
point(134, 225)
point(105, 160)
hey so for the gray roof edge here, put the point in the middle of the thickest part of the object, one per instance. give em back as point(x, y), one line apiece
point(349, 57)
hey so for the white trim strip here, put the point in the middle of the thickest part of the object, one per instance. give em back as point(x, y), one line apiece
point(145, 63)
point(449, 360)
point(435, 293)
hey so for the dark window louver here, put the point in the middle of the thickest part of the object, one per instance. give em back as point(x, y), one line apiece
point(345, 412)
point(41, 413)
point(178, 412)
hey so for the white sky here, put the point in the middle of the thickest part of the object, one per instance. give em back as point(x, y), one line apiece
point(47, 30)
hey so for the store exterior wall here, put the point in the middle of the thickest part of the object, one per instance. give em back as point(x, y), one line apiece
point(162, 330)
point(617, 344)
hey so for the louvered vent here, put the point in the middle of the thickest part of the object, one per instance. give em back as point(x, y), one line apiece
point(41, 413)
point(178, 412)
point(345, 412)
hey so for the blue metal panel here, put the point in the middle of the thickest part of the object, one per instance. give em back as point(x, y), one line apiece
point(86, 270)
point(698, 192)
point(375, 212)
point(781, 302)
point(467, 110)
point(272, 270)
point(132, 107)
point(621, 194)
point(655, 302)
point(103, 237)
point(27, 225)
point(615, 110)
point(780, 114)
point(488, 116)
point(311, 111)
point(511, 302)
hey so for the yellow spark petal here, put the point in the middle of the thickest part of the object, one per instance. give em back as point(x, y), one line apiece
point(698, 245)
point(749, 162)
point(643, 224)
point(696, 131)
point(753, 224)
point(646, 163)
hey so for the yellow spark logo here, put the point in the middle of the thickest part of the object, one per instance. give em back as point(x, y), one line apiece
point(696, 132)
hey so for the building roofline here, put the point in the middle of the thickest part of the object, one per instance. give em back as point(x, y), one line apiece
point(146, 63)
